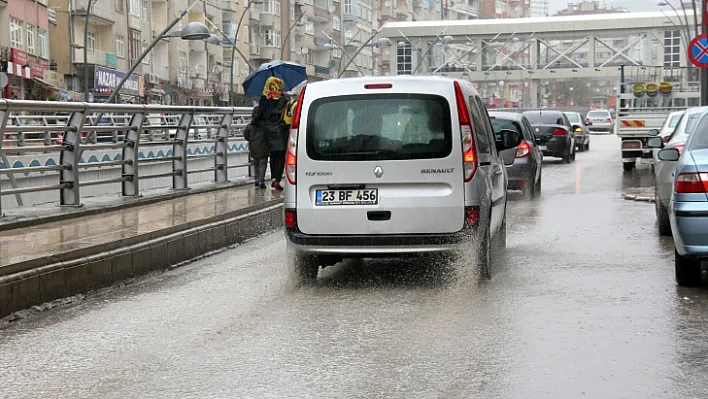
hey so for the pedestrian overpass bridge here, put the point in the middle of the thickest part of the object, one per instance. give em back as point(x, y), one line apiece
point(538, 51)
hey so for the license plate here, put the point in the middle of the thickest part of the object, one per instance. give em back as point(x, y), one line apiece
point(542, 147)
point(346, 197)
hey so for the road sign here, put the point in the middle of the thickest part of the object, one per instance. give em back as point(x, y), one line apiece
point(698, 51)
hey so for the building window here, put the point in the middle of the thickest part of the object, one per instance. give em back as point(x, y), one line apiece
point(349, 6)
point(272, 7)
point(336, 22)
point(31, 37)
point(672, 49)
point(42, 44)
point(246, 35)
point(90, 42)
point(143, 47)
point(120, 6)
point(120, 42)
point(292, 10)
point(272, 38)
point(404, 59)
point(310, 28)
point(145, 10)
point(135, 45)
point(16, 34)
point(336, 53)
point(183, 66)
point(136, 7)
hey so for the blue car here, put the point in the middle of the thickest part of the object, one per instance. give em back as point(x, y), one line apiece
point(688, 209)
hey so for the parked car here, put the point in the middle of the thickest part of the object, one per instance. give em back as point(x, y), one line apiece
point(525, 173)
point(688, 209)
point(389, 166)
point(664, 170)
point(600, 120)
point(582, 135)
point(554, 133)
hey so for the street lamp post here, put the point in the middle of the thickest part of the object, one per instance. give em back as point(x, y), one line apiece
point(86, 31)
point(232, 93)
point(383, 42)
point(234, 48)
point(193, 31)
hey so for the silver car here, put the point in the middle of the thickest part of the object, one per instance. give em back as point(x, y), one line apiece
point(600, 121)
point(391, 166)
point(664, 170)
point(670, 124)
point(688, 209)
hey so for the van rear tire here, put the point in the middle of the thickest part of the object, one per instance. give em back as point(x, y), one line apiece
point(306, 268)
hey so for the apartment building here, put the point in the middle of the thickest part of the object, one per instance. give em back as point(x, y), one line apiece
point(24, 48)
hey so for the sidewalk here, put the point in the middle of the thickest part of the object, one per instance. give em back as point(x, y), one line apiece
point(89, 252)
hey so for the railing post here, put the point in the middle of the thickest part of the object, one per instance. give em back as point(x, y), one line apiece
point(180, 179)
point(221, 149)
point(3, 122)
point(131, 137)
point(4, 119)
point(70, 155)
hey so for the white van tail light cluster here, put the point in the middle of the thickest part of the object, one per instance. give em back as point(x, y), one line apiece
point(291, 154)
point(469, 152)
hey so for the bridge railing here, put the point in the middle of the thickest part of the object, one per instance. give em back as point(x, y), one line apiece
point(62, 133)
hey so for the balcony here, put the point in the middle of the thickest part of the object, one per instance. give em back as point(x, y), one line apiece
point(321, 71)
point(320, 42)
point(134, 22)
point(197, 45)
point(269, 52)
point(321, 15)
point(352, 15)
point(255, 50)
point(96, 57)
point(102, 11)
point(254, 15)
point(387, 13)
point(269, 20)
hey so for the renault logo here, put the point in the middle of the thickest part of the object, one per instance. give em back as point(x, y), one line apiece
point(378, 172)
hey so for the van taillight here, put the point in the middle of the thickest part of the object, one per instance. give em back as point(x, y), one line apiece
point(291, 155)
point(290, 219)
point(469, 152)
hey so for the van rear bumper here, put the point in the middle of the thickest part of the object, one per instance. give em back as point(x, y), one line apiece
point(379, 244)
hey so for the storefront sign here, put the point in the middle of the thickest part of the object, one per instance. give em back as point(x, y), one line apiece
point(105, 78)
point(18, 57)
point(37, 70)
point(111, 60)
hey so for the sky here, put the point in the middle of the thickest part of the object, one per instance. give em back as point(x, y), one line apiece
point(632, 5)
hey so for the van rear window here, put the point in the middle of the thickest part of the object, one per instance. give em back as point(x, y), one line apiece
point(377, 127)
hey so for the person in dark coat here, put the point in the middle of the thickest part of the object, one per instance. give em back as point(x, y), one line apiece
point(272, 106)
point(257, 139)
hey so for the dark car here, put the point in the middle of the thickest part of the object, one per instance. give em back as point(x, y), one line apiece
point(525, 173)
point(582, 135)
point(554, 133)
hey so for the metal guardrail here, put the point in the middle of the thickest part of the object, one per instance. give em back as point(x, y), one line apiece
point(69, 129)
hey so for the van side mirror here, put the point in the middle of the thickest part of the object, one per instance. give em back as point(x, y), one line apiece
point(654, 132)
point(507, 139)
point(668, 154)
point(655, 142)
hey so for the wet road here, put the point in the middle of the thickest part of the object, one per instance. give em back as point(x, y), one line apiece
point(583, 306)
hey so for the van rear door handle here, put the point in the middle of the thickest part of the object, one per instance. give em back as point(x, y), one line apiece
point(379, 215)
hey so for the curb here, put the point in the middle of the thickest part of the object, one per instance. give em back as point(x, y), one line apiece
point(83, 273)
point(639, 198)
point(121, 203)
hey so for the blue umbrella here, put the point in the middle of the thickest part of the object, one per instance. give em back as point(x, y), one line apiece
point(291, 73)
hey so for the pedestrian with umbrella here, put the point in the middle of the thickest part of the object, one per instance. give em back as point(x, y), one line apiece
point(274, 79)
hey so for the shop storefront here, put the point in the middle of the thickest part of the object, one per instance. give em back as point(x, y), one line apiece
point(22, 70)
point(105, 80)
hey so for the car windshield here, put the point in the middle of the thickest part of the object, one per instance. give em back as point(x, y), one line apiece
point(699, 141)
point(674, 120)
point(573, 117)
point(379, 127)
point(686, 126)
point(544, 118)
point(598, 114)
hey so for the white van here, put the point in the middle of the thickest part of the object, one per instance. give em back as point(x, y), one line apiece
point(388, 166)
